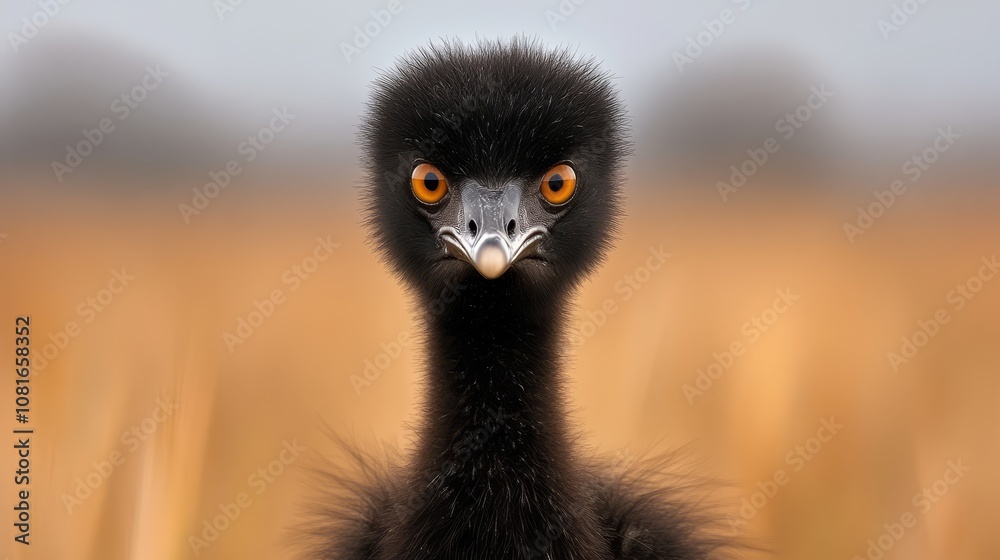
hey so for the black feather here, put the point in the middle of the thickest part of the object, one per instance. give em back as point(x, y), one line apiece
point(495, 472)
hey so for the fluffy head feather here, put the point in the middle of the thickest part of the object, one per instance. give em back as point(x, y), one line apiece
point(494, 113)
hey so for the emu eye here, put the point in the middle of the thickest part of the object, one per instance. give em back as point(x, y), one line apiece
point(428, 183)
point(558, 184)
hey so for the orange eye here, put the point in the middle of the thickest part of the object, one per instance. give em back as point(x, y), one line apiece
point(558, 184)
point(428, 183)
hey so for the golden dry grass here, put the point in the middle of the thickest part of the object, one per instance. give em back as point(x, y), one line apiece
point(162, 337)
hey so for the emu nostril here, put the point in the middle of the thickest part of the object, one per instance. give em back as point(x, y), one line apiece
point(510, 229)
point(472, 227)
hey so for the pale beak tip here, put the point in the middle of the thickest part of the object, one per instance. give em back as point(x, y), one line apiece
point(491, 262)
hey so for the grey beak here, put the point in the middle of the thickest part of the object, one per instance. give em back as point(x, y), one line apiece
point(492, 237)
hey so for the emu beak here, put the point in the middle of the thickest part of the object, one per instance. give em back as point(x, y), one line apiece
point(493, 237)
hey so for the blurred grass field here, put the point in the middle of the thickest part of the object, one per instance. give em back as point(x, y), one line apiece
point(162, 337)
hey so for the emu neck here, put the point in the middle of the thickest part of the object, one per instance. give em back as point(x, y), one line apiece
point(494, 452)
point(494, 355)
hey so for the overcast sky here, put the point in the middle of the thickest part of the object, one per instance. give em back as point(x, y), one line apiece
point(941, 66)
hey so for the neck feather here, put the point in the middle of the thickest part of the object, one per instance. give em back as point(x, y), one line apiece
point(494, 447)
point(493, 351)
